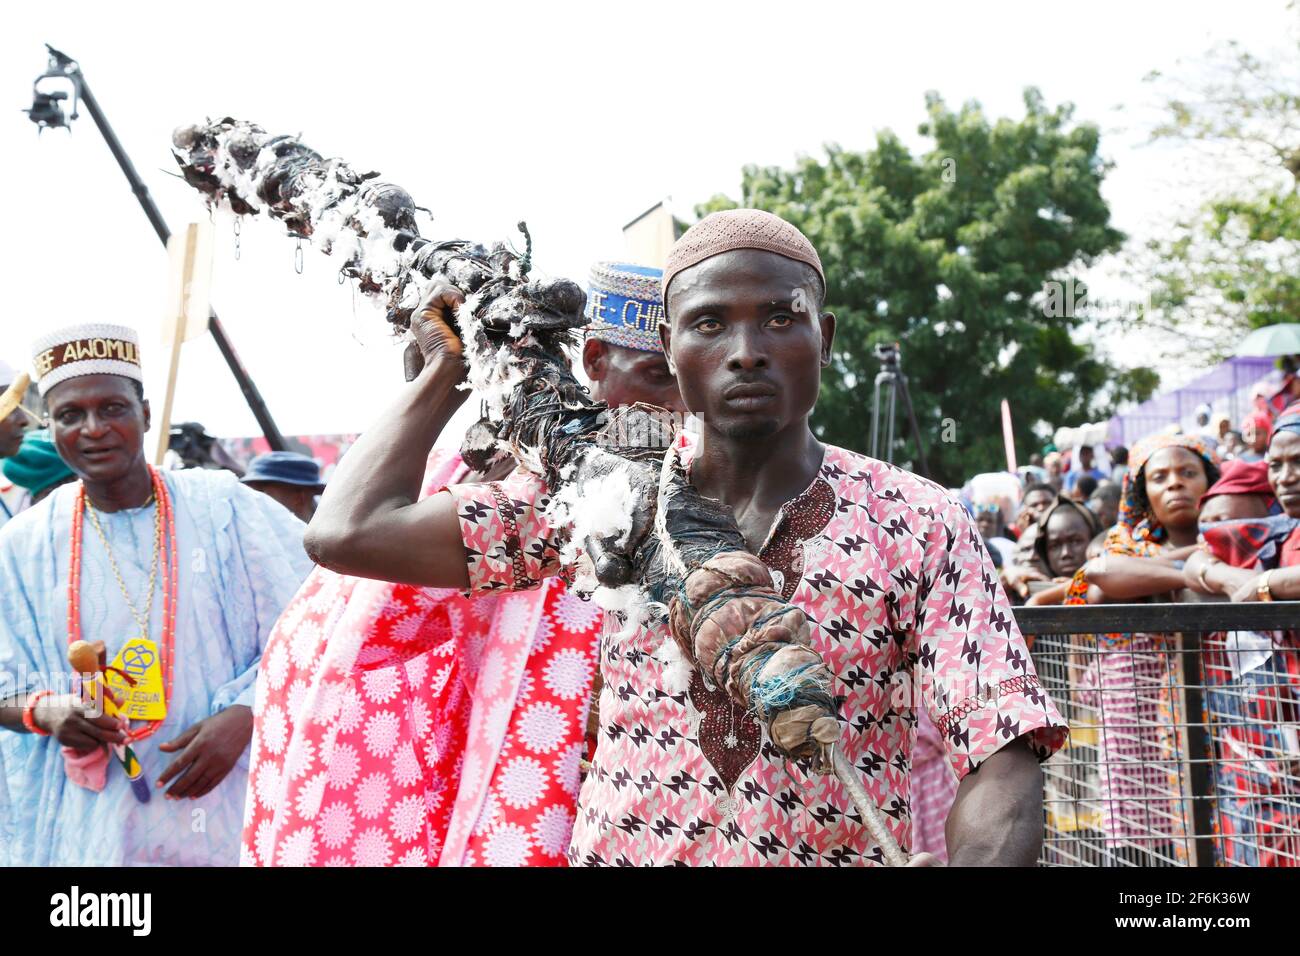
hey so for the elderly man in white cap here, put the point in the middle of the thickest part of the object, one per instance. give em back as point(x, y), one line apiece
point(12, 426)
point(174, 579)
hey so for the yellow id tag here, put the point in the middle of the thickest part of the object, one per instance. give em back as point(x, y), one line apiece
point(144, 701)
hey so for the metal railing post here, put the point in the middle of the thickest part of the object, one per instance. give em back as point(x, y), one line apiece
point(1199, 780)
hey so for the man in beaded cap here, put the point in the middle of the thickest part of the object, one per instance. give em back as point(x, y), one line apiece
point(903, 600)
point(181, 576)
point(622, 354)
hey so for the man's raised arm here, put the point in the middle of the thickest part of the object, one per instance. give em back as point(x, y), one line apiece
point(370, 522)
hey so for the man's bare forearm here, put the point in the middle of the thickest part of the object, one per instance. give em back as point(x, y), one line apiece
point(370, 522)
point(11, 713)
point(997, 818)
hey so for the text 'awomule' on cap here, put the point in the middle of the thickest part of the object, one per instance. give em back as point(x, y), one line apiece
point(93, 348)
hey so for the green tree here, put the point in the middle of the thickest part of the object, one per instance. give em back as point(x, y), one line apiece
point(1233, 263)
point(947, 253)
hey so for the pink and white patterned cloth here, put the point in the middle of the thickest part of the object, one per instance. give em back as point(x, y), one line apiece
point(905, 606)
point(1127, 686)
point(405, 726)
point(933, 789)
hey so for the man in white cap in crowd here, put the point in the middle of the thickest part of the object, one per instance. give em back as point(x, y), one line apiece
point(175, 579)
point(12, 426)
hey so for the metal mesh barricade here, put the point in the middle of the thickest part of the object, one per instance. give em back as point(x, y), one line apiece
point(1184, 741)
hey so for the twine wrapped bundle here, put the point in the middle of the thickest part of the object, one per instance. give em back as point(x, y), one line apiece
point(731, 623)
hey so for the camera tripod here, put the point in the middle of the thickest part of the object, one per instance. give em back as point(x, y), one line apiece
point(891, 377)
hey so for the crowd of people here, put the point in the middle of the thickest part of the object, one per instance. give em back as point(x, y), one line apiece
point(1179, 517)
point(430, 687)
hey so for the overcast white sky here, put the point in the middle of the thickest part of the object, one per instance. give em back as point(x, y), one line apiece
point(573, 116)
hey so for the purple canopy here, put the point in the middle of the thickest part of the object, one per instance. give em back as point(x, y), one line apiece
point(1226, 388)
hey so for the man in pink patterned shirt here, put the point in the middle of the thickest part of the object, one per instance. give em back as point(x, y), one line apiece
point(904, 604)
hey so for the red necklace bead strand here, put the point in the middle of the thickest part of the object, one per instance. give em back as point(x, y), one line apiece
point(74, 572)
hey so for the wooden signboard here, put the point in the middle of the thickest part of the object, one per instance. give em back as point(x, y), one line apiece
point(190, 254)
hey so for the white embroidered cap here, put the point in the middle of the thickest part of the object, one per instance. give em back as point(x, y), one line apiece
point(94, 348)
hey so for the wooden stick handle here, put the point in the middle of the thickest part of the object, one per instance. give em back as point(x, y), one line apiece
point(871, 815)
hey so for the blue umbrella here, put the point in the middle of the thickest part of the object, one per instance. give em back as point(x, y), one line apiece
point(1281, 339)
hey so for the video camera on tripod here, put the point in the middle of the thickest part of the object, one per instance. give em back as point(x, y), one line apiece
point(891, 376)
point(887, 354)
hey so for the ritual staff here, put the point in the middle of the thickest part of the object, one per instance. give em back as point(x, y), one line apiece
point(179, 576)
point(402, 725)
point(902, 598)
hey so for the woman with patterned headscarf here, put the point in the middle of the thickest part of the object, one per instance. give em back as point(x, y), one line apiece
point(1129, 673)
point(1159, 515)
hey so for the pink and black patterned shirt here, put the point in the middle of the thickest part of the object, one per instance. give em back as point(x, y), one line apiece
point(905, 607)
